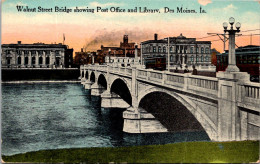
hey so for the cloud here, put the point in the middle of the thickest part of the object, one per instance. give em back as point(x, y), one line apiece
point(258, 1)
point(13, 5)
point(204, 2)
point(230, 8)
point(3, 1)
point(95, 4)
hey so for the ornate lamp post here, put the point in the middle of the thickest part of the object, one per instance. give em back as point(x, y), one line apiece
point(231, 54)
point(109, 51)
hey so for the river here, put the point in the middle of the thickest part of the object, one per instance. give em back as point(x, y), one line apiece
point(39, 116)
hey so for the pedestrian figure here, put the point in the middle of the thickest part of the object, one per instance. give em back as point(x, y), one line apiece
point(176, 70)
point(186, 69)
point(194, 72)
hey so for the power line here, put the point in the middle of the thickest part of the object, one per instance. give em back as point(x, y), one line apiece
point(250, 30)
point(217, 34)
point(248, 35)
point(237, 36)
point(206, 37)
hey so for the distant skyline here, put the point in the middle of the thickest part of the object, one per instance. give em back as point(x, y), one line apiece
point(91, 30)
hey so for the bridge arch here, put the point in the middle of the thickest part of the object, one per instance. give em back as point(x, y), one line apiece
point(82, 73)
point(86, 75)
point(92, 77)
point(102, 81)
point(120, 87)
point(195, 110)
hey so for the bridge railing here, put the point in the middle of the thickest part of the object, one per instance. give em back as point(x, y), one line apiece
point(203, 84)
point(175, 79)
point(187, 81)
point(249, 93)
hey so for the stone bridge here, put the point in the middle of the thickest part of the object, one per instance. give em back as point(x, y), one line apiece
point(227, 107)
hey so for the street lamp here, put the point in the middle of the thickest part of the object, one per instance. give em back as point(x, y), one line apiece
point(231, 54)
point(109, 51)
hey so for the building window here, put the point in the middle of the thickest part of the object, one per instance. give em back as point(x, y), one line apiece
point(19, 60)
point(197, 59)
point(40, 60)
point(26, 60)
point(26, 52)
point(57, 52)
point(191, 59)
point(185, 49)
point(40, 52)
point(8, 61)
point(47, 60)
point(191, 50)
point(164, 49)
point(47, 52)
point(171, 49)
point(154, 49)
point(159, 49)
point(197, 50)
point(171, 58)
point(33, 52)
point(202, 50)
point(207, 50)
point(206, 58)
point(33, 60)
point(201, 58)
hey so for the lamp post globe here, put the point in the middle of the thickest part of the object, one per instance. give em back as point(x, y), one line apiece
point(225, 25)
point(231, 20)
point(238, 25)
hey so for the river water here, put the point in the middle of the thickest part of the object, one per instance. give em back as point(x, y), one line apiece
point(38, 116)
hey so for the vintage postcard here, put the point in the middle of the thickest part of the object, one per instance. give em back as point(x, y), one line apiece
point(133, 81)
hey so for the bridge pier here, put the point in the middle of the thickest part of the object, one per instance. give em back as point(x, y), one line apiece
point(230, 123)
point(113, 100)
point(139, 121)
point(96, 90)
point(83, 80)
point(88, 84)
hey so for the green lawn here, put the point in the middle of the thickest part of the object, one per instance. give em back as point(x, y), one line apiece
point(202, 152)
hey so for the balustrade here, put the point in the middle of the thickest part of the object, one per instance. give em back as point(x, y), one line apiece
point(210, 83)
point(252, 91)
point(175, 78)
point(142, 73)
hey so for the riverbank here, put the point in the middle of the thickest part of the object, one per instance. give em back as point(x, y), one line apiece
point(40, 74)
point(186, 152)
point(40, 81)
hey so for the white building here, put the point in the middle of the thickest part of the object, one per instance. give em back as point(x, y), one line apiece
point(37, 55)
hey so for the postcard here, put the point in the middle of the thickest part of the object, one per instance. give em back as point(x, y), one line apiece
point(134, 81)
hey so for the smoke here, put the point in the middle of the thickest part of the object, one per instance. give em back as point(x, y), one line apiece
point(114, 37)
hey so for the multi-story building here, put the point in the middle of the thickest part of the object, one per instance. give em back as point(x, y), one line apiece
point(182, 51)
point(37, 55)
point(125, 49)
point(84, 57)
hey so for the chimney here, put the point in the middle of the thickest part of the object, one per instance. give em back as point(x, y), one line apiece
point(81, 49)
point(19, 42)
point(155, 36)
point(125, 39)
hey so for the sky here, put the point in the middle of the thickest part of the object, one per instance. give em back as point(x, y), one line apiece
point(91, 30)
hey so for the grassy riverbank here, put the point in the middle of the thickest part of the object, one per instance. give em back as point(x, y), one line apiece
point(202, 152)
